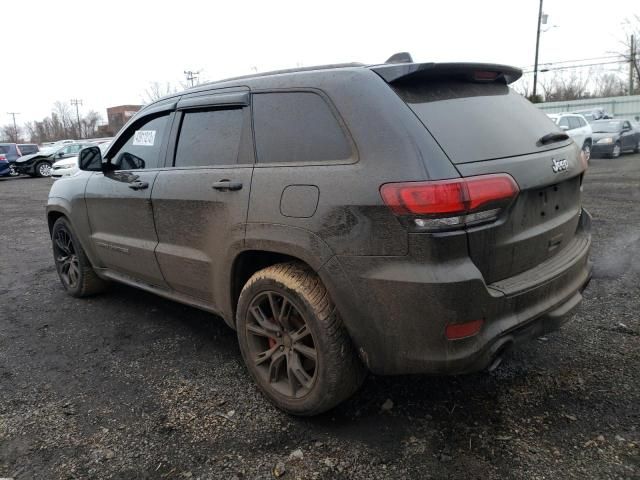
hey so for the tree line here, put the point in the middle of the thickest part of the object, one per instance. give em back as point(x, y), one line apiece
point(62, 123)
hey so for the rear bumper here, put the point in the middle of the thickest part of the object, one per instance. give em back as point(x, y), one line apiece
point(397, 308)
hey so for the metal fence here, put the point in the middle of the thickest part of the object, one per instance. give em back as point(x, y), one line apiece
point(626, 107)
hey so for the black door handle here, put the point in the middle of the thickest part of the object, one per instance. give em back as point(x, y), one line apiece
point(138, 185)
point(226, 185)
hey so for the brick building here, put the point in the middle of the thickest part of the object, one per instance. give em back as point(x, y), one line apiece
point(118, 116)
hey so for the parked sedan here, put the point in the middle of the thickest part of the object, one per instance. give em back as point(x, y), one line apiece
point(69, 166)
point(613, 137)
point(39, 164)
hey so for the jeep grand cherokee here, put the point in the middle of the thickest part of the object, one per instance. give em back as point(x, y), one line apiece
point(397, 218)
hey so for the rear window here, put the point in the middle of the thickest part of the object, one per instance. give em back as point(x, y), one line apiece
point(4, 149)
point(297, 127)
point(478, 121)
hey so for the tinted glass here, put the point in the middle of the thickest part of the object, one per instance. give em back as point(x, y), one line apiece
point(142, 148)
point(28, 149)
point(209, 138)
point(297, 127)
point(574, 122)
point(4, 149)
point(478, 121)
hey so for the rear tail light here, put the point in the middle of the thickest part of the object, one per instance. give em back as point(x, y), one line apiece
point(450, 204)
point(3, 157)
point(457, 331)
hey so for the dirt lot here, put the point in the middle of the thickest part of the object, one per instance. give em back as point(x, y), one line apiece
point(127, 385)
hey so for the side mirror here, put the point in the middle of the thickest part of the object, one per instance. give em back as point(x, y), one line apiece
point(60, 154)
point(564, 128)
point(90, 159)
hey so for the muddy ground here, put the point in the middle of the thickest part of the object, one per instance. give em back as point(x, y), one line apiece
point(127, 385)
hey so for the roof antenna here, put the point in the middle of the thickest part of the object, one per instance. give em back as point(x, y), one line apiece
point(400, 57)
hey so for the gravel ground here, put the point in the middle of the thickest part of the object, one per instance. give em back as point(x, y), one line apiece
point(127, 385)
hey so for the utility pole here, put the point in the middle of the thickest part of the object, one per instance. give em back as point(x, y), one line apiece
point(535, 68)
point(76, 102)
point(632, 63)
point(15, 127)
point(191, 76)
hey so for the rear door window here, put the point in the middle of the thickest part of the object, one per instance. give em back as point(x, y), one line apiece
point(297, 127)
point(574, 122)
point(209, 138)
point(478, 121)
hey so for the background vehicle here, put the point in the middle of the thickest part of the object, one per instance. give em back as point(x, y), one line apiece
point(593, 114)
point(39, 164)
point(614, 137)
point(69, 166)
point(379, 239)
point(578, 129)
point(5, 166)
point(11, 152)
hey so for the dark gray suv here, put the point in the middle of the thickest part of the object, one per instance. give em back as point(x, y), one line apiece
point(398, 218)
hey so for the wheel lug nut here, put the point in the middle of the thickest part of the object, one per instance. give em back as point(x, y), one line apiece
point(281, 348)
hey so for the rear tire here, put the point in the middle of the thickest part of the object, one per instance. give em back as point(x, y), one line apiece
point(42, 169)
point(293, 341)
point(637, 149)
point(74, 269)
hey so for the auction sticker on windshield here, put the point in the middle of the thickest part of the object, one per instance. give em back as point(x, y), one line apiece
point(144, 137)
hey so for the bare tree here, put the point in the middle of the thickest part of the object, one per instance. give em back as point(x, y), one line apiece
point(609, 85)
point(631, 26)
point(156, 90)
point(9, 134)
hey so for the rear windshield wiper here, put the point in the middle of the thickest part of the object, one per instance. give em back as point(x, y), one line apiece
point(553, 137)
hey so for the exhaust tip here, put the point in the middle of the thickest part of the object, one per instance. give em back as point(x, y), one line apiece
point(498, 356)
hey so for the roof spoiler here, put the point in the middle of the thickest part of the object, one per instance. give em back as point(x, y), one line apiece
point(473, 72)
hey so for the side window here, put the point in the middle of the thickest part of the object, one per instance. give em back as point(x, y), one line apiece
point(564, 122)
point(574, 122)
point(626, 125)
point(142, 147)
point(297, 127)
point(209, 137)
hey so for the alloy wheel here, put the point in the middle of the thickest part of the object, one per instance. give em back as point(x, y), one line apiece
point(281, 344)
point(66, 258)
point(44, 169)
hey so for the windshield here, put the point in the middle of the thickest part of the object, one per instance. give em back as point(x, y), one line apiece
point(606, 126)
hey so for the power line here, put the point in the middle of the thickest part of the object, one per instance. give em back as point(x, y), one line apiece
point(191, 76)
point(578, 66)
point(580, 60)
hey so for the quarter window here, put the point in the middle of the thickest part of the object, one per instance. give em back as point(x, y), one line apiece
point(209, 138)
point(297, 127)
point(143, 146)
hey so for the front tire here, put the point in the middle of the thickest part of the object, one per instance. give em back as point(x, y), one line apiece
point(293, 341)
point(74, 269)
point(586, 148)
point(42, 169)
point(617, 150)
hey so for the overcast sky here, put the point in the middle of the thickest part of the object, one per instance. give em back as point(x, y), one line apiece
point(107, 52)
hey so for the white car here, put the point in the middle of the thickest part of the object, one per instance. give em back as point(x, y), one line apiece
point(577, 128)
point(69, 166)
point(65, 168)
